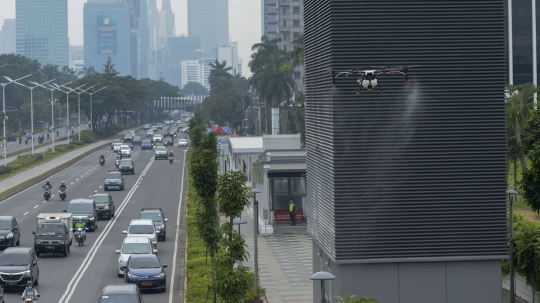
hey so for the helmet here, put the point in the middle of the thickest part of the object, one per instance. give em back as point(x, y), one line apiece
point(63, 182)
point(47, 181)
point(29, 285)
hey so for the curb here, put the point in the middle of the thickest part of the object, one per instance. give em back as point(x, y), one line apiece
point(39, 178)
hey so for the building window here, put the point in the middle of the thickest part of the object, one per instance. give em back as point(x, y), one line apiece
point(284, 10)
point(284, 23)
point(296, 10)
point(296, 75)
point(296, 23)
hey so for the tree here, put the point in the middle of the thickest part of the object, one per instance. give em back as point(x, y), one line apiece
point(518, 107)
point(194, 88)
point(232, 283)
point(261, 51)
point(219, 76)
point(87, 71)
point(225, 107)
point(297, 54)
point(530, 181)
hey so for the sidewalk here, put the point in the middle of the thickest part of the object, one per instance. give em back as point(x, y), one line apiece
point(285, 263)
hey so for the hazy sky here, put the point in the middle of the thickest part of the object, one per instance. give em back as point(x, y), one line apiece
point(244, 22)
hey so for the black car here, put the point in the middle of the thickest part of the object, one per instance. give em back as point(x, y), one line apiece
point(84, 210)
point(128, 138)
point(160, 222)
point(18, 265)
point(137, 140)
point(113, 178)
point(115, 141)
point(104, 204)
point(126, 165)
point(9, 231)
point(168, 139)
point(11, 137)
point(125, 293)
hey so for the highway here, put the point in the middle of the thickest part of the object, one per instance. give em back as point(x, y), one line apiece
point(81, 276)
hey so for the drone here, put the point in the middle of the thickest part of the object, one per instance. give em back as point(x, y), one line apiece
point(368, 78)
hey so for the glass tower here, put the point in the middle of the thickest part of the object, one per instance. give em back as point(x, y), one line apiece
point(42, 30)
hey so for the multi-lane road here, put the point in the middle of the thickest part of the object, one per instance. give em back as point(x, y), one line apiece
point(81, 276)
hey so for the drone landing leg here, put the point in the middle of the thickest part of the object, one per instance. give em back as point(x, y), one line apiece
point(380, 88)
point(359, 92)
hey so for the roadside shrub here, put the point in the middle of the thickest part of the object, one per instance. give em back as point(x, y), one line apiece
point(63, 148)
point(38, 156)
point(5, 169)
point(76, 142)
point(23, 160)
point(86, 135)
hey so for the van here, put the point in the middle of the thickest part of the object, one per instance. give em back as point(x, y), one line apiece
point(84, 210)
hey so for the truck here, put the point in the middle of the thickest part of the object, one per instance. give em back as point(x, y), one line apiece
point(54, 233)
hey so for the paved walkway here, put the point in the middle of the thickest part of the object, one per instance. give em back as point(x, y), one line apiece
point(506, 298)
point(285, 264)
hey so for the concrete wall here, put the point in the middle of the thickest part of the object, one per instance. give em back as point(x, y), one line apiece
point(523, 290)
point(418, 282)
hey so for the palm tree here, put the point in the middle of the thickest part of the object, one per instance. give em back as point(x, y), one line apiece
point(262, 50)
point(297, 54)
point(220, 76)
point(518, 107)
point(87, 71)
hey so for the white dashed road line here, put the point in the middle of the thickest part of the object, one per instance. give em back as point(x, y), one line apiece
point(36, 206)
point(26, 213)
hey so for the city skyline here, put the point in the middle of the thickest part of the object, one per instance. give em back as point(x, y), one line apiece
point(244, 22)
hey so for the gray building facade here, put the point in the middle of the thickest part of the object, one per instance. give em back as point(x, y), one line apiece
point(209, 20)
point(291, 25)
point(42, 30)
point(406, 189)
point(269, 18)
point(8, 37)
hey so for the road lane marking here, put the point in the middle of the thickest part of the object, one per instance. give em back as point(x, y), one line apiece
point(171, 286)
point(76, 180)
point(71, 182)
point(72, 285)
point(36, 206)
point(26, 213)
point(99, 186)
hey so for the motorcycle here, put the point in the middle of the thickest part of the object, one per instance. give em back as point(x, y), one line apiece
point(46, 194)
point(131, 145)
point(117, 162)
point(62, 193)
point(29, 299)
point(170, 159)
point(101, 161)
point(79, 236)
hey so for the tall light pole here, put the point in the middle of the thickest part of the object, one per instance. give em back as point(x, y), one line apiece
point(4, 110)
point(256, 191)
point(68, 90)
point(79, 97)
point(511, 194)
point(31, 88)
point(52, 89)
point(91, 116)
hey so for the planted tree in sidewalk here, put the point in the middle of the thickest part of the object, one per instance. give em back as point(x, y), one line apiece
point(203, 170)
point(530, 181)
point(232, 283)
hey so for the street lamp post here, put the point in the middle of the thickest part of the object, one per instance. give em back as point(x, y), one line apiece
point(511, 194)
point(239, 221)
point(256, 191)
point(322, 276)
point(79, 98)
point(4, 110)
point(71, 90)
point(31, 88)
point(91, 116)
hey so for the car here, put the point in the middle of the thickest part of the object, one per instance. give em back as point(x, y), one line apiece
point(126, 165)
point(146, 126)
point(157, 138)
point(125, 150)
point(85, 210)
point(149, 133)
point(171, 122)
point(142, 227)
point(178, 122)
point(146, 144)
point(104, 204)
point(137, 140)
point(159, 126)
point(161, 152)
point(116, 147)
point(128, 138)
point(159, 220)
point(133, 245)
point(9, 231)
point(168, 139)
point(114, 178)
point(153, 128)
point(114, 142)
point(146, 271)
point(11, 137)
point(124, 293)
point(182, 143)
point(18, 265)
point(185, 129)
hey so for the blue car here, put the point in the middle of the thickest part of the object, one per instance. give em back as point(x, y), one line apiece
point(146, 271)
point(146, 144)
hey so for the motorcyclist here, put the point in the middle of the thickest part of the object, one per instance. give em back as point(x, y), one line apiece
point(82, 226)
point(47, 186)
point(101, 158)
point(62, 185)
point(171, 154)
point(29, 291)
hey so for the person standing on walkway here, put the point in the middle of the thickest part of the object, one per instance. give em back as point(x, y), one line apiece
point(292, 211)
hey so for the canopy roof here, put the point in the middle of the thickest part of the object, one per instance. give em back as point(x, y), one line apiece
point(246, 145)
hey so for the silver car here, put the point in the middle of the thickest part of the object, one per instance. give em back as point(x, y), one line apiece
point(157, 138)
point(161, 152)
point(133, 245)
point(116, 147)
point(182, 143)
point(142, 227)
point(125, 150)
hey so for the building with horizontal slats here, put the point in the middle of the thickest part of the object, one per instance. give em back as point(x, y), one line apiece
point(406, 188)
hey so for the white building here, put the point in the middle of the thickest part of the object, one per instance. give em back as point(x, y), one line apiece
point(204, 71)
point(76, 57)
point(190, 72)
point(229, 53)
point(8, 36)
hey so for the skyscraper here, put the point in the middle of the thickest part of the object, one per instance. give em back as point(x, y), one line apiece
point(153, 25)
point(209, 20)
point(269, 18)
point(166, 22)
point(8, 37)
point(42, 30)
point(290, 26)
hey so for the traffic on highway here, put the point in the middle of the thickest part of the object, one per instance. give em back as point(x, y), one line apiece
point(117, 224)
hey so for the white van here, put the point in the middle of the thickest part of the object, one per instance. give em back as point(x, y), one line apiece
point(142, 227)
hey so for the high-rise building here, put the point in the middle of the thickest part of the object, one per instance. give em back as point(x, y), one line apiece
point(153, 25)
point(425, 220)
point(209, 20)
point(144, 38)
point(204, 71)
point(166, 23)
point(522, 40)
point(42, 30)
point(229, 54)
point(190, 72)
point(269, 18)
point(8, 37)
point(291, 25)
point(107, 33)
point(76, 57)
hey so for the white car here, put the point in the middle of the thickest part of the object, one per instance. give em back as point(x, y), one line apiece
point(149, 133)
point(116, 147)
point(133, 245)
point(182, 143)
point(158, 138)
point(185, 129)
point(125, 150)
point(142, 227)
